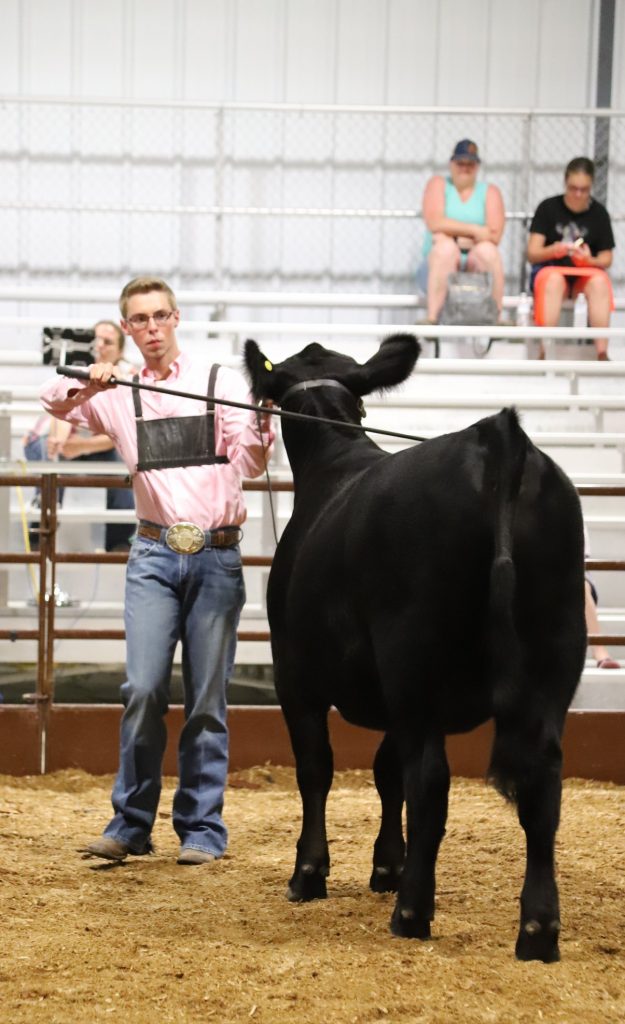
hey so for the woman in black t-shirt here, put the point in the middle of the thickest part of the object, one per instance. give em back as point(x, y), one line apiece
point(571, 230)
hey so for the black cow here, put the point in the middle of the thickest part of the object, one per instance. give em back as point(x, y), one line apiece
point(422, 593)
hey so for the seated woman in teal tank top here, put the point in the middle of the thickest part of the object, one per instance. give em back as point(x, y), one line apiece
point(465, 219)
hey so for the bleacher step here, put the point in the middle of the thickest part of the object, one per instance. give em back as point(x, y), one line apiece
point(601, 690)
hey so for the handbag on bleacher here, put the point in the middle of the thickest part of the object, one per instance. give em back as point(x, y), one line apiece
point(469, 300)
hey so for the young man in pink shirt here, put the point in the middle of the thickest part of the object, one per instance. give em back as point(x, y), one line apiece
point(184, 579)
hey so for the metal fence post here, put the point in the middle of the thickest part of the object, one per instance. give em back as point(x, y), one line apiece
point(525, 191)
point(45, 667)
point(605, 57)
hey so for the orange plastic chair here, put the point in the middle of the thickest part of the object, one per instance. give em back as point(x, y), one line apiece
point(545, 273)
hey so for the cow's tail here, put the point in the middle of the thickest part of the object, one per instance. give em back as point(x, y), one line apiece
point(507, 455)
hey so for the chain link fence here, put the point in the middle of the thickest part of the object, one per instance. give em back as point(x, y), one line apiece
point(280, 197)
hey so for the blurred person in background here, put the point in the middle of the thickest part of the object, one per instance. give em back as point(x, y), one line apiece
point(591, 601)
point(465, 219)
point(601, 654)
point(57, 440)
point(573, 229)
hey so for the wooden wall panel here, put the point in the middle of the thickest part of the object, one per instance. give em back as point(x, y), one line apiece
point(83, 736)
point(19, 740)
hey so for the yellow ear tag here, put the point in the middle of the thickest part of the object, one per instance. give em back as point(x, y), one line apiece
point(268, 365)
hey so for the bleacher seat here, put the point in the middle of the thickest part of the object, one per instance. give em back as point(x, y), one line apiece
point(573, 408)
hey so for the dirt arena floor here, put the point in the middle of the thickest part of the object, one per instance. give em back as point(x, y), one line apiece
point(151, 942)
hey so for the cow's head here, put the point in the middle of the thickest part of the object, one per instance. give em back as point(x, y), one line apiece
point(391, 365)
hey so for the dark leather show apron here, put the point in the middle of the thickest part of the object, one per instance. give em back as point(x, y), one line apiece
point(179, 440)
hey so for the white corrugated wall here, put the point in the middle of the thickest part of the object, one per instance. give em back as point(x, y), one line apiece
point(58, 162)
point(488, 52)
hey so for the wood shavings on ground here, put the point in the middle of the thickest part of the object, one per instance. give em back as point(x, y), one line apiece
point(153, 941)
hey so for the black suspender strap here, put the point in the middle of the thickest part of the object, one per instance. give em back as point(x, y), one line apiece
point(210, 408)
point(136, 398)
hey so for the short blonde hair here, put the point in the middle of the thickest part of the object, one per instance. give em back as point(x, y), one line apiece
point(141, 286)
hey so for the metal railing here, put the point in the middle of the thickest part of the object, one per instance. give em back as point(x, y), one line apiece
point(48, 558)
point(279, 194)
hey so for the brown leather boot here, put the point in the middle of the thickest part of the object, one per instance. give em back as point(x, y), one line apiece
point(110, 849)
point(188, 855)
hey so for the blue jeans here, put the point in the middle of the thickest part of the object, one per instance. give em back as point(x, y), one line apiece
point(196, 599)
point(35, 449)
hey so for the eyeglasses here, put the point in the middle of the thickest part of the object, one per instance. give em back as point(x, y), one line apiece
point(140, 320)
point(583, 190)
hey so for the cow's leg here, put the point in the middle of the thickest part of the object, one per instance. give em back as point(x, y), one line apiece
point(314, 768)
point(533, 779)
point(539, 812)
point(426, 789)
point(389, 848)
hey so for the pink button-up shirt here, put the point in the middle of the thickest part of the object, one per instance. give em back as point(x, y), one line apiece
point(209, 496)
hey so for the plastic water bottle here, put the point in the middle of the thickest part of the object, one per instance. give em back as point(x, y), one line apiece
point(523, 311)
point(580, 311)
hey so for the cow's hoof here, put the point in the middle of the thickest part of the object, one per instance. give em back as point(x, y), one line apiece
point(308, 883)
point(385, 879)
point(538, 941)
point(407, 925)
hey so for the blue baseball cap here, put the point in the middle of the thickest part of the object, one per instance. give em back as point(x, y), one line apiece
point(466, 150)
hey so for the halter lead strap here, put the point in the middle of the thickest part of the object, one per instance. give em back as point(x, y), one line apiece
point(320, 382)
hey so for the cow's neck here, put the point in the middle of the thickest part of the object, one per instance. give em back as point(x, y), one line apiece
point(326, 456)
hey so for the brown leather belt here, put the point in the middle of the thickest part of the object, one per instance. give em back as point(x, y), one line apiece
point(188, 539)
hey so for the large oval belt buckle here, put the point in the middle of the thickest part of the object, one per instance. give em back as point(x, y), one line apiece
point(185, 538)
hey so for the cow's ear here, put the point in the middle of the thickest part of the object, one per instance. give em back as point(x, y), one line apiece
point(392, 363)
point(259, 370)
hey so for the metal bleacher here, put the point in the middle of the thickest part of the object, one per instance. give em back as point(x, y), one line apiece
point(573, 407)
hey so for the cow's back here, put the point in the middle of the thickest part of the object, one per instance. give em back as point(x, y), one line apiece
point(430, 535)
point(399, 565)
